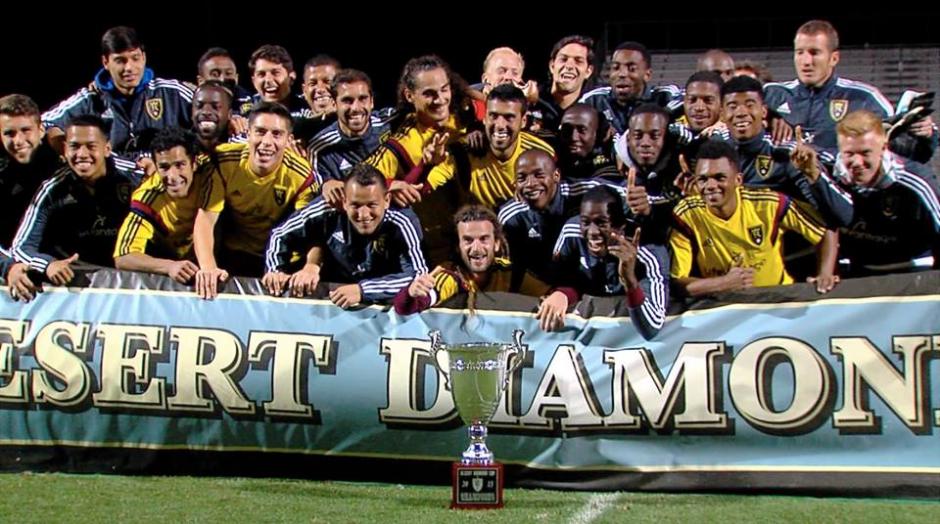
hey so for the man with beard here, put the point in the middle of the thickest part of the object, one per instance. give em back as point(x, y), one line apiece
point(571, 65)
point(127, 95)
point(482, 266)
point(157, 234)
point(896, 222)
point(75, 215)
point(732, 237)
point(259, 183)
point(354, 136)
point(595, 256)
point(630, 73)
point(582, 154)
point(533, 222)
point(371, 249)
point(212, 109)
point(25, 162)
point(791, 168)
point(490, 179)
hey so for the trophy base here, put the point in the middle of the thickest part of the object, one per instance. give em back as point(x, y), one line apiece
point(477, 487)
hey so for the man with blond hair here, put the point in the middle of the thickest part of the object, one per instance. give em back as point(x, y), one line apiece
point(896, 222)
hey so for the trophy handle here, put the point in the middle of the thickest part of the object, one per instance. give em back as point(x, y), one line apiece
point(516, 355)
point(437, 353)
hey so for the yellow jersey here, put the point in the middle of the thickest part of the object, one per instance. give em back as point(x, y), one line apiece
point(255, 203)
point(750, 238)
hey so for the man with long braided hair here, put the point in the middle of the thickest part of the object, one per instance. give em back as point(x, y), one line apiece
point(483, 265)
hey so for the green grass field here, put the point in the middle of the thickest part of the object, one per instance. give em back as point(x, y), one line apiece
point(105, 498)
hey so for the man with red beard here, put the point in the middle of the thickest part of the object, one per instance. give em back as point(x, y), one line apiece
point(482, 266)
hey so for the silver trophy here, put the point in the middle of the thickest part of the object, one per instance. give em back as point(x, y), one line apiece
point(477, 373)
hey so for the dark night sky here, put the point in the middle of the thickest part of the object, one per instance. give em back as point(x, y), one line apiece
point(176, 33)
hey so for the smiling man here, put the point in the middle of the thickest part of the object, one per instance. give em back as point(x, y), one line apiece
point(157, 235)
point(596, 255)
point(481, 266)
point(212, 111)
point(259, 183)
point(571, 65)
point(896, 222)
point(491, 179)
point(354, 136)
point(630, 74)
point(76, 214)
point(732, 237)
point(372, 250)
point(533, 222)
point(127, 95)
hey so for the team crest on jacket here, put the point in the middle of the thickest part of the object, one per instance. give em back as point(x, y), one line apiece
point(757, 234)
point(838, 109)
point(154, 108)
point(764, 165)
point(280, 195)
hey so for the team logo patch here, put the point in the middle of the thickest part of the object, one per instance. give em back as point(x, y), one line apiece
point(280, 195)
point(124, 193)
point(838, 109)
point(889, 206)
point(378, 245)
point(245, 108)
point(154, 108)
point(757, 234)
point(764, 165)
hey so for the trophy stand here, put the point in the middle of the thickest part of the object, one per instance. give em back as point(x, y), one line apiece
point(477, 480)
point(476, 374)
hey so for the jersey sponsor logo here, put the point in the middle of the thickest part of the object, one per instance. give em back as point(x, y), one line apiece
point(533, 233)
point(280, 195)
point(345, 166)
point(757, 234)
point(154, 107)
point(784, 108)
point(339, 237)
point(838, 109)
point(107, 115)
point(764, 165)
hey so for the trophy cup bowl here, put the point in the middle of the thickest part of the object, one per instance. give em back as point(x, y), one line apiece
point(477, 373)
